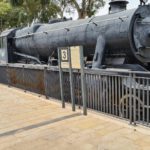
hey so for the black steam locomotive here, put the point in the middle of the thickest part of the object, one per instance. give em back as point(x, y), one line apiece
point(119, 39)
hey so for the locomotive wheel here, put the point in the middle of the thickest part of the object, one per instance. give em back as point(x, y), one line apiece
point(124, 106)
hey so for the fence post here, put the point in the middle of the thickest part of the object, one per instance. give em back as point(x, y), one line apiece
point(84, 98)
point(8, 76)
point(61, 79)
point(71, 81)
point(45, 82)
point(24, 79)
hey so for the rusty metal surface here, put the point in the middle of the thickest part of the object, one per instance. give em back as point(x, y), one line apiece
point(27, 79)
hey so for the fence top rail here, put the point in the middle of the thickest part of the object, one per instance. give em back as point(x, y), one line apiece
point(39, 67)
point(112, 71)
point(115, 71)
point(30, 66)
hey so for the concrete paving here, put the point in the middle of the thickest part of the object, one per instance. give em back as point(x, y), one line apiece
point(29, 122)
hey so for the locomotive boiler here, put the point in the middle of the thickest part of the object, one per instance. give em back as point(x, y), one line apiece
point(119, 39)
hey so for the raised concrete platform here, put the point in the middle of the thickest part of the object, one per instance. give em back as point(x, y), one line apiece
point(28, 122)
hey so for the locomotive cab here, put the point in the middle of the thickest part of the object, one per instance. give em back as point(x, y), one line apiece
point(3, 50)
point(6, 51)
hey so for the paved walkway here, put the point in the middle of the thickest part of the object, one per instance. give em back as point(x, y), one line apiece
point(28, 122)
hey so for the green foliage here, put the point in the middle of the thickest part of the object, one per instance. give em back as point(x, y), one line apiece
point(14, 13)
point(47, 12)
point(4, 8)
point(11, 17)
point(37, 9)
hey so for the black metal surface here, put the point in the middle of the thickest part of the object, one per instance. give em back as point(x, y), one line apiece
point(52, 84)
point(3, 75)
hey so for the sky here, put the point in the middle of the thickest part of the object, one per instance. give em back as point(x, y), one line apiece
point(104, 10)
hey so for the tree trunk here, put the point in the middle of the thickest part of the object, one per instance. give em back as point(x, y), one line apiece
point(82, 14)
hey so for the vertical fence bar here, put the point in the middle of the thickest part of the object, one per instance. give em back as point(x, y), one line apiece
point(98, 92)
point(143, 96)
point(90, 93)
point(134, 101)
point(95, 101)
point(92, 89)
point(125, 110)
point(78, 90)
point(107, 105)
point(119, 88)
point(139, 105)
point(45, 82)
point(122, 92)
point(147, 101)
point(130, 99)
point(101, 95)
point(116, 96)
point(110, 97)
point(87, 83)
point(95, 96)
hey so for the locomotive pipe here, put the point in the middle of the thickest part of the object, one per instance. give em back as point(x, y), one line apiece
point(99, 52)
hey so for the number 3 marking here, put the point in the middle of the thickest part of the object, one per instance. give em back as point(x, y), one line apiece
point(64, 55)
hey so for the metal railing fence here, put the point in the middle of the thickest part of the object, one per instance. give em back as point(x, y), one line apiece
point(122, 94)
point(118, 93)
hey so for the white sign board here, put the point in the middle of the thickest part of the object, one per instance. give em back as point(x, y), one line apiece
point(75, 57)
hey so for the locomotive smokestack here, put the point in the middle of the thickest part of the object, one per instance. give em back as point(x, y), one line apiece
point(117, 6)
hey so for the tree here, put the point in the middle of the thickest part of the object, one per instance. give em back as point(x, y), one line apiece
point(16, 17)
point(14, 13)
point(4, 10)
point(84, 8)
point(49, 9)
point(37, 9)
point(11, 17)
